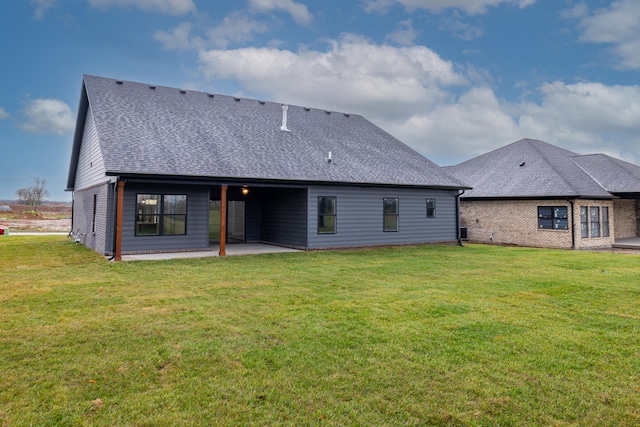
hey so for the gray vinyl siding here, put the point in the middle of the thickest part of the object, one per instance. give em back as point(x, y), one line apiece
point(197, 236)
point(253, 215)
point(284, 217)
point(359, 216)
point(91, 170)
point(92, 235)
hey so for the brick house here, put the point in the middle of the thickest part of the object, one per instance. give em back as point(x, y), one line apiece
point(531, 193)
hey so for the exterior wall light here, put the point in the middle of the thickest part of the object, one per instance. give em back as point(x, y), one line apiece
point(245, 190)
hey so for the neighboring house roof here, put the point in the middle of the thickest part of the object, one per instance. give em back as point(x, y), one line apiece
point(529, 168)
point(614, 175)
point(156, 130)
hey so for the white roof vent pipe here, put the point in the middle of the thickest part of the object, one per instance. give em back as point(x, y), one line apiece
point(285, 108)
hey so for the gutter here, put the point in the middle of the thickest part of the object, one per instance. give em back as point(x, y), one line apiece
point(458, 217)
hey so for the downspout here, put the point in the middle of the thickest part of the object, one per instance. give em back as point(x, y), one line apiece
point(117, 253)
point(73, 204)
point(114, 215)
point(458, 217)
point(573, 226)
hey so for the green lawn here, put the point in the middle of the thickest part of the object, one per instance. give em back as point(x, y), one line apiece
point(425, 335)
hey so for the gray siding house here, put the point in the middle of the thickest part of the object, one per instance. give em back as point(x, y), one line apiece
point(159, 169)
point(531, 193)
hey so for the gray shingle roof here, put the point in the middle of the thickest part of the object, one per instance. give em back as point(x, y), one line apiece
point(530, 168)
point(614, 175)
point(162, 130)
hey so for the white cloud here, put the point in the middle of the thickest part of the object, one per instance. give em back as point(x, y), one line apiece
point(444, 112)
point(235, 28)
point(169, 7)
point(353, 75)
point(583, 117)
point(3, 114)
point(178, 39)
point(48, 116)
point(471, 7)
point(472, 124)
point(455, 25)
point(377, 6)
point(404, 35)
point(586, 116)
point(579, 10)
point(41, 6)
point(298, 11)
point(618, 26)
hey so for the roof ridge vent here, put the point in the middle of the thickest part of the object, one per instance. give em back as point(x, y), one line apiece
point(285, 108)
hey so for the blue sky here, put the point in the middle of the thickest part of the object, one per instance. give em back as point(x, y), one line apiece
point(451, 78)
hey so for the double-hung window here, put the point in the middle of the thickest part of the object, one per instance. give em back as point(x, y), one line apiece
point(553, 218)
point(605, 221)
point(390, 207)
point(161, 214)
point(594, 219)
point(584, 222)
point(326, 214)
point(431, 208)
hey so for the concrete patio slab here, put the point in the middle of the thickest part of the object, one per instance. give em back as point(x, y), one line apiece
point(232, 250)
point(627, 243)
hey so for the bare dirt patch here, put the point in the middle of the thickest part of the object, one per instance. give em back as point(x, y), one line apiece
point(48, 218)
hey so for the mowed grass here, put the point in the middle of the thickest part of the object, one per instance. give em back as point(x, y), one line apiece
point(423, 335)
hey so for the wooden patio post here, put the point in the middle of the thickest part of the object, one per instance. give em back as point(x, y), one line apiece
point(223, 220)
point(118, 249)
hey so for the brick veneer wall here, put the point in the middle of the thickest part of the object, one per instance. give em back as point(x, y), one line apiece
point(515, 222)
point(626, 218)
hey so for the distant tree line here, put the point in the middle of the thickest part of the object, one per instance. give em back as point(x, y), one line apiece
point(33, 195)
